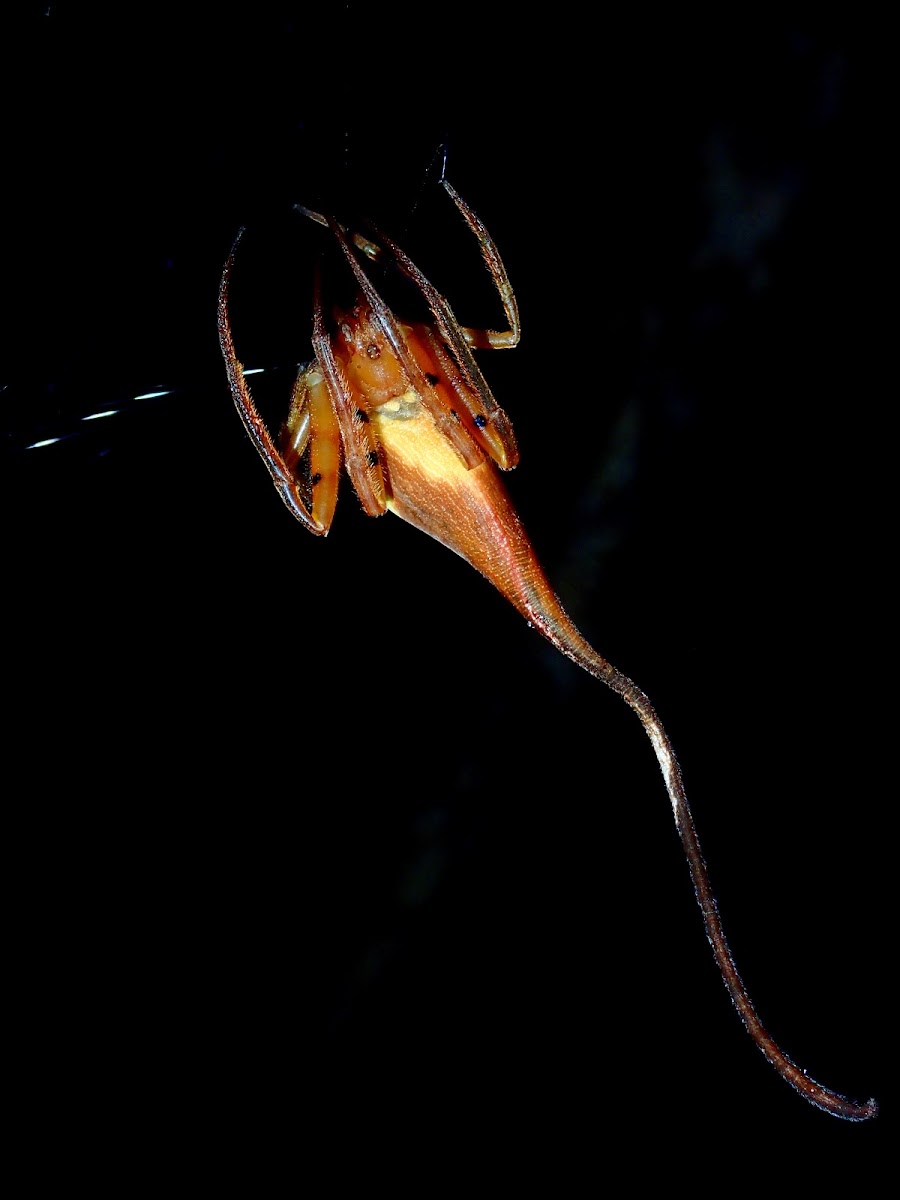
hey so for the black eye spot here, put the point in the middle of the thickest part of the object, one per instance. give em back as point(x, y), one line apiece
point(481, 421)
point(454, 414)
point(373, 350)
point(372, 458)
point(316, 479)
point(434, 380)
point(362, 416)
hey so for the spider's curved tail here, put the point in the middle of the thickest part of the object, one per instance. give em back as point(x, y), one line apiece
point(548, 616)
point(566, 638)
point(470, 512)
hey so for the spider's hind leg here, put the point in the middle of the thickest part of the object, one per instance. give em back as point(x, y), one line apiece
point(488, 424)
point(489, 339)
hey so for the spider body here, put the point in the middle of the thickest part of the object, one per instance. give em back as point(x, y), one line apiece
point(375, 367)
point(408, 411)
point(427, 480)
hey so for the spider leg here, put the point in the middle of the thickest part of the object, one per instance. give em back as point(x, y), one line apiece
point(489, 339)
point(370, 249)
point(311, 425)
point(361, 452)
point(493, 434)
point(284, 476)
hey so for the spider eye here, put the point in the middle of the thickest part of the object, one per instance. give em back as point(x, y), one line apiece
point(373, 350)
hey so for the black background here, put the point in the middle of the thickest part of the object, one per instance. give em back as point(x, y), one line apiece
point(315, 834)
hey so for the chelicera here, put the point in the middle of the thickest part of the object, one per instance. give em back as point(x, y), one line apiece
point(406, 409)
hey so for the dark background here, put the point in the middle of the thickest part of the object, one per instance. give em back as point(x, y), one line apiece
point(315, 833)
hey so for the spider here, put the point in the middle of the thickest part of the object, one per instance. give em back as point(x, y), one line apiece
point(410, 414)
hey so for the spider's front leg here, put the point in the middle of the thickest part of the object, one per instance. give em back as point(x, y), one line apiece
point(305, 467)
point(310, 445)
